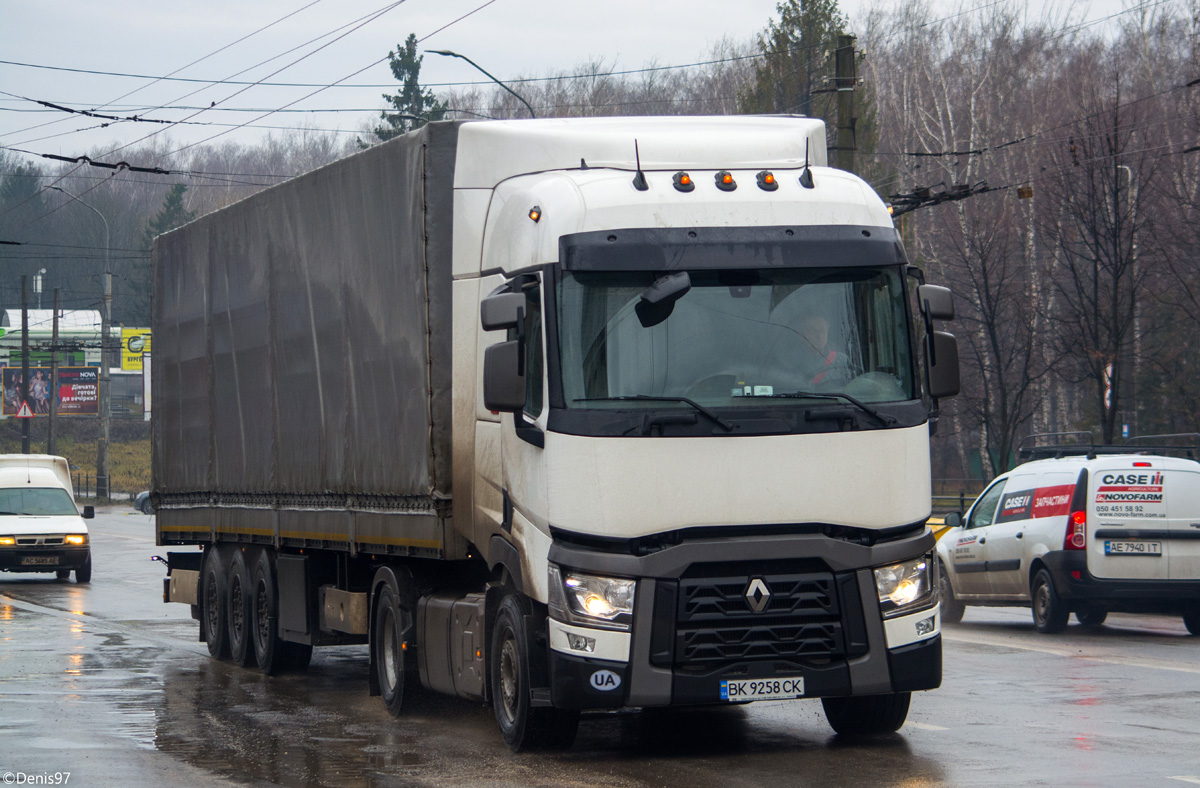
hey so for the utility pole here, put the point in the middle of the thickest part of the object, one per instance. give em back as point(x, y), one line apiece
point(103, 489)
point(51, 447)
point(845, 81)
point(24, 389)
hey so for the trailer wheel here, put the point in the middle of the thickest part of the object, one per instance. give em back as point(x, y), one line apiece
point(523, 726)
point(1049, 613)
point(237, 609)
point(392, 623)
point(212, 604)
point(867, 714)
point(272, 654)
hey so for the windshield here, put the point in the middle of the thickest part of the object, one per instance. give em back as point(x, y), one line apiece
point(734, 338)
point(45, 501)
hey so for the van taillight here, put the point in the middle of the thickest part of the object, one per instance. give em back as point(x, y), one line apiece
point(1076, 538)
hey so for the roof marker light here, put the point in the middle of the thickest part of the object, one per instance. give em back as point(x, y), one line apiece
point(683, 182)
point(725, 181)
point(535, 213)
point(1142, 465)
point(767, 182)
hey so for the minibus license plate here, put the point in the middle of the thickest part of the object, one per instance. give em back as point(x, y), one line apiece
point(763, 689)
point(40, 560)
point(1133, 548)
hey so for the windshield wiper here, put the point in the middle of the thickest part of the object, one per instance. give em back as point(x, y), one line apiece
point(886, 420)
point(725, 425)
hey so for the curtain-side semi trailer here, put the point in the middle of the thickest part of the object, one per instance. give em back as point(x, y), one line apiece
point(560, 415)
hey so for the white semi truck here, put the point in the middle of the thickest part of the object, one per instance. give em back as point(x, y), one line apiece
point(563, 415)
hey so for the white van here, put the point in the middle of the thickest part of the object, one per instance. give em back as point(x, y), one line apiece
point(41, 528)
point(1087, 530)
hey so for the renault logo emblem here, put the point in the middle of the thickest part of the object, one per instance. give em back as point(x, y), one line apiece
point(758, 595)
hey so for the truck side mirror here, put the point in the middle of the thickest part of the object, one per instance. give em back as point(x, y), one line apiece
point(941, 357)
point(503, 376)
point(89, 512)
point(936, 302)
point(502, 310)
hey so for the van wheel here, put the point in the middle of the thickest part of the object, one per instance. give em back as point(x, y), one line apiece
point(523, 726)
point(1091, 617)
point(952, 609)
point(212, 604)
point(84, 573)
point(62, 574)
point(237, 610)
point(1049, 613)
point(867, 714)
point(1191, 620)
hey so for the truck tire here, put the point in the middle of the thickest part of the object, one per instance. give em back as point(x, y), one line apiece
point(867, 714)
point(1092, 616)
point(212, 604)
point(392, 624)
point(952, 609)
point(1191, 620)
point(272, 654)
point(237, 608)
point(523, 726)
point(84, 573)
point(1049, 613)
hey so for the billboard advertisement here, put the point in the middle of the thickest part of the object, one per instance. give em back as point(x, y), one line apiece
point(78, 390)
point(134, 342)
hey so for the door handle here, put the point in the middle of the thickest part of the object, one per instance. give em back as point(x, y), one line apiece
point(983, 540)
point(1020, 534)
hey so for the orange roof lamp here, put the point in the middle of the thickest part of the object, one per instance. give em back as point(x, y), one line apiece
point(767, 182)
point(535, 213)
point(683, 182)
point(725, 181)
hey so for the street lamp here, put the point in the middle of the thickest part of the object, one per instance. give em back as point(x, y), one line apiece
point(105, 322)
point(448, 53)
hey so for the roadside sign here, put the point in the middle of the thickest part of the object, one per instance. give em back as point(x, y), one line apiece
point(24, 412)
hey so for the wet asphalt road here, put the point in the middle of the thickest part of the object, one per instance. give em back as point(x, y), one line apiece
point(107, 683)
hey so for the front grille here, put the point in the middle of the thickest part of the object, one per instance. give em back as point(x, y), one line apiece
point(716, 621)
point(39, 540)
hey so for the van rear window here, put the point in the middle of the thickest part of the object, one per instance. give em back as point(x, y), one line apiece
point(44, 501)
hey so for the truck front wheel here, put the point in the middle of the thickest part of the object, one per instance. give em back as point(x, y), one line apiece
point(867, 714)
point(392, 623)
point(523, 726)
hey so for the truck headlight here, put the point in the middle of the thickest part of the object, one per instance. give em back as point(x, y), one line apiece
point(591, 600)
point(905, 587)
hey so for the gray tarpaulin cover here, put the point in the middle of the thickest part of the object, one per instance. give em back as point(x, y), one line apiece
point(302, 339)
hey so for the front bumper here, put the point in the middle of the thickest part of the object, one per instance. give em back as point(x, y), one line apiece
point(1077, 586)
point(42, 558)
point(830, 631)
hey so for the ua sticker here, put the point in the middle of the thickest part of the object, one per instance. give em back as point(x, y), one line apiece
point(605, 680)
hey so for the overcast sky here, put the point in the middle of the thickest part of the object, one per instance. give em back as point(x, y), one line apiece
point(509, 38)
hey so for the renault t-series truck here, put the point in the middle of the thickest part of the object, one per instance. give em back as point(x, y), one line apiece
point(560, 415)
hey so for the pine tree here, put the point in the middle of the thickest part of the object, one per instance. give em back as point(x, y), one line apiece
point(413, 106)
